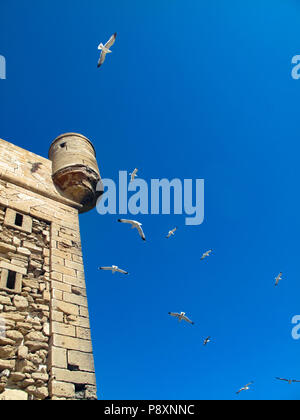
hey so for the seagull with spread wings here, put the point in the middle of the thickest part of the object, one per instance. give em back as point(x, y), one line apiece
point(245, 388)
point(135, 225)
point(133, 174)
point(171, 232)
point(181, 317)
point(206, 341)
point(289, 381)
point(278, 278)
point(206, 254)
point(113, 269)
point(105, 49)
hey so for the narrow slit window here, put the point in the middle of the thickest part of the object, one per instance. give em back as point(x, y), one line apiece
point(11, 280)
point(19, 219)
point(73, 368)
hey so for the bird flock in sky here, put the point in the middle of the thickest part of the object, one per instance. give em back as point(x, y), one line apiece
point(105, 49)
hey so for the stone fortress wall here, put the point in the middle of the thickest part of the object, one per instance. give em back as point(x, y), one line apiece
point(45, 342)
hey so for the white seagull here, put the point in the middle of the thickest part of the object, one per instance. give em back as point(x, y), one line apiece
point(135, 225)
point(290, 381)
point(133, 174)
point(181, 317)
point(278, 278)
point(206, 254)
point(171, 232)
point(206, 341)
point(105, 49)
point(113, 269)
point(245, 388)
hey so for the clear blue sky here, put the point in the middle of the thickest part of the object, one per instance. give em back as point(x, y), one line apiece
point(193, 89)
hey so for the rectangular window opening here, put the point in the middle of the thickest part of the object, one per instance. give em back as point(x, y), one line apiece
point(19, 220)
point(11, 280)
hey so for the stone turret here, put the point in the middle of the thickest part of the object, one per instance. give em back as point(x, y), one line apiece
point(75, 172)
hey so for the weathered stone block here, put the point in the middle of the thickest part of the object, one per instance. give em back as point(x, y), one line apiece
point(63, 329)
point(14, 335)
point(7, 364)
point(67, 308)
point(84, 361)
point(5, 248)
point(71, 343)
point(73, 298)
point(58, 357)
point(20, 302)
point(75, 377)
point(13, 395)
point(62, 389)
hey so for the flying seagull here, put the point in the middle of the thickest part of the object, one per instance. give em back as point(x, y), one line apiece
point(133, 174)
point(171, 232)
point(290, 381)
point(206, 341)
point(105, 49)
point(134, 225)
point(113, 269)
point(206, 254)
point(278, 278)
point(181, 317)
point(245, 388)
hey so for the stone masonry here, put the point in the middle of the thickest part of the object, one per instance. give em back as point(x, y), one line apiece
point(45, 342)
